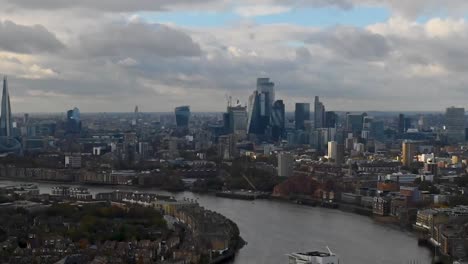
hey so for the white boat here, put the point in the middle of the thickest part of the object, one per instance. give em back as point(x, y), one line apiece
point(314, 257)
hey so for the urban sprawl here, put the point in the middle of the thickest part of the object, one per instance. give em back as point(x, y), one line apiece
point(402, 169)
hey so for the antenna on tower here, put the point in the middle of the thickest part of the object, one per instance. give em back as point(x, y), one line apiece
point(229, 100)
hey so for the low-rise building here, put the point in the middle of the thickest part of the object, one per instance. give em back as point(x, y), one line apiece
point(381, 206)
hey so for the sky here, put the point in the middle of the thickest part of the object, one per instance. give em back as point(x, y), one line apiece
point(110, 55)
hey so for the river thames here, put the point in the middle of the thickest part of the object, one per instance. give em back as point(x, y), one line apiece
point(273, 229)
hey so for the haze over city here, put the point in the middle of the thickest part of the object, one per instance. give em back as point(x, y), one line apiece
point(233, 131)
point(355, 54)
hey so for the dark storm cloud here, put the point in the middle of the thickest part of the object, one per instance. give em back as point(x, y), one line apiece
point(27, 39)
point(140, 40)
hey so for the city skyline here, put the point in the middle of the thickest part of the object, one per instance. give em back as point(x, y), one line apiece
point(355, 55)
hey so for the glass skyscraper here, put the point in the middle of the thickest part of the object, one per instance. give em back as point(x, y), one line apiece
point(8, 143)
point(331, 119)
point(354, 123)
point(73, 124)
point(319, 113)
point(6, 123)
point(301, 115)
point(260, 107)
point(278, 120)
point(182, 114)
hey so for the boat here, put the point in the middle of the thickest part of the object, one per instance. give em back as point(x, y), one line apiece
point(313, 257)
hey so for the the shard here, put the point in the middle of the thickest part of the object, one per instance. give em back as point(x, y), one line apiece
point(5, 119)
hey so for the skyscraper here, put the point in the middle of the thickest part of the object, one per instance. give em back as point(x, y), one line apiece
point(455, 124)
point(182, 114)
point(377, 130)
point(319, 113)
point(260, 107)
point(331, 119)
point(73, 123)
point(236, 119)
point(6, 123)
point(267, 89)
point(355, 123)
point(135, 116)
point(278, 120)
point(8, 144)
point(301, 114)
point(253, 116)
point(401, 124)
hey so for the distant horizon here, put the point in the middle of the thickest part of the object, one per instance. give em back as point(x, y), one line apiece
point(220, 112)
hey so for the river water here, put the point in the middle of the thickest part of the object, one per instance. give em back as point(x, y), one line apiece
point(273, 229)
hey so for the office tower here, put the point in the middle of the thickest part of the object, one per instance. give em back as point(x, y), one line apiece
point(377, 130)
point(173, 147)
point(182, 114)
point(422, 123)
point(355, 123)
point(237, 119)
point(260, 107)
point(73, 123)
point(332, 149)
point(278, 120)
point(6, 123)
point(143, 150)
point(26, 119)
point(408, 123)
point(135, 116)
point(285, 164)
point(227, 123)
point(227, 147)
point(340, 154)
point(409, 150)
point(455, 124)
point(267, 90)
point(367, 122)
point(331, 118)
point(401, 124)
point(319, 113)
point(301, 114)
point(404, 123)
point(253, 117)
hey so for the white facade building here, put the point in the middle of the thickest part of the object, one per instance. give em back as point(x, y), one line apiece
point(285, 164)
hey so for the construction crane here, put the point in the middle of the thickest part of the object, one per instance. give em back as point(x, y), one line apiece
point(249, 182)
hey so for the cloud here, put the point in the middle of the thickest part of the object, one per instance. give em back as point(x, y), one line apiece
point(259, 10)
point(113, 5)
point(353, 43)
point(129, 62)
point(138, 40)
point(27, 39)
point(107, 53)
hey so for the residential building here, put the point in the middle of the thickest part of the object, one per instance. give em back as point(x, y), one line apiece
point(285, 164)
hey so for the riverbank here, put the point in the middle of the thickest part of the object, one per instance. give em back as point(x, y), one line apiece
point(273, 229)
